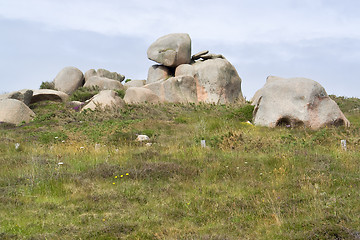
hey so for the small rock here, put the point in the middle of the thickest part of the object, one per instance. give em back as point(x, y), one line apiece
point(199, 54)
point(141, 138)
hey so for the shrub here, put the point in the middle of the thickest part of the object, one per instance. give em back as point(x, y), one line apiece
point(84, 93)
point(120, 92)
point(47, 85)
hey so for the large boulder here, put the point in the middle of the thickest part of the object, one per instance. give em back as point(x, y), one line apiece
point(171, 50)
point(68, 80)
point(158, 72)
point(105, 99)
point(48, 95)
point(103, 73)
point(216, 79)
point(176, 89)
point(134, 83)
point(15, 112)
point(136, 95)
point(295, 102)
point(24, 95)
point(103, 83)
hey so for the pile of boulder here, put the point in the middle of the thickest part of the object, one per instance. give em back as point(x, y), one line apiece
point(180, 77)
point(14, 107)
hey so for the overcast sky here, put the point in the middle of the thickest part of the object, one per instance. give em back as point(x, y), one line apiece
point(317, 39)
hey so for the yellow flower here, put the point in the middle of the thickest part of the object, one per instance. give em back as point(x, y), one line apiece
point(115, 176)
point(127, 174)
point(113, 183)
point(103, 219)
point(121, 175)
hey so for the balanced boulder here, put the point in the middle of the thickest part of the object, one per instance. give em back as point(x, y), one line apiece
point(103, 83)
point(295, 102)
point(68, 80)
point(171, 50)
point(136, 95)
point(48, 95)
point(105, 99)
point(15, 112)
point(217, 80)
point(103, 73)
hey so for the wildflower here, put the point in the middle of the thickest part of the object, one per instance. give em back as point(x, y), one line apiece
point(17, 145)
point(113, 183)
point(81, 147)
point(127, 174)
point(104, 220)
point(115, 176)
point(121, 175)
point(60, 163)
point(56, 137)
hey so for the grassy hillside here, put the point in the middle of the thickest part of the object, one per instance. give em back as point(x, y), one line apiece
point(83, 176)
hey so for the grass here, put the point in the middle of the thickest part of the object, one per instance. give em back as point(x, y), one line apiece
point(248, 183)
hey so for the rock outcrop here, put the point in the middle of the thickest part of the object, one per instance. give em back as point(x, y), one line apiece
point(68, 80)
point(104, 74)
point(48, 95)
point(214, 78)
point(136, 95)
point(295, 102)
point(171, 50)
point(103, 83)
point(15, 112)
point(105, 99)
point(22, 95)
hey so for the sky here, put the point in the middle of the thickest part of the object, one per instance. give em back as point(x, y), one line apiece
point(316, 39)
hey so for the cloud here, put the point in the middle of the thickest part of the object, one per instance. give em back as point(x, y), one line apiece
point(227, 21)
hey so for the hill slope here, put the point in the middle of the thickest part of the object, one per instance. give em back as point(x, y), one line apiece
point(83, 175)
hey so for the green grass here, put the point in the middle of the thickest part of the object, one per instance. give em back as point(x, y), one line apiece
point(248, 183)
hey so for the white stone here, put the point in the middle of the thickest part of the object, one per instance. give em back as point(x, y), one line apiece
point(142, 138)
